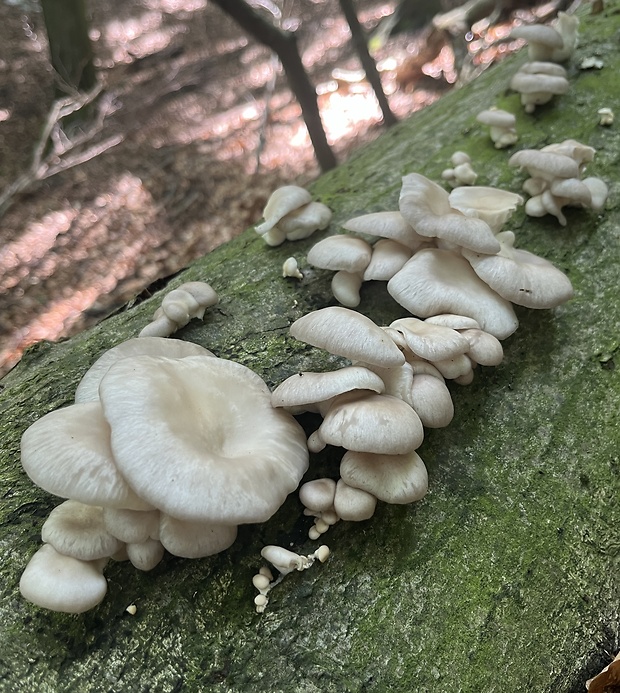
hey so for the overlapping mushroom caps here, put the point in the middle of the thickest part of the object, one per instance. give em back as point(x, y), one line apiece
point(290, 214)
point(376, 409)
point(555, 179)
point(167, 447)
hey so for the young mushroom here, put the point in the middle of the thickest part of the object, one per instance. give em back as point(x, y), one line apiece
point(502, 126)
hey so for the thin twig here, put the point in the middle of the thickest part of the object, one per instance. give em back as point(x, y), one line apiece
point(44, 165)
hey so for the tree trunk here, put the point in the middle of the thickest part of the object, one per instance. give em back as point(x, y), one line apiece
point(284, 44)
point(71, 51)
point(368, 63)
point(504, 578)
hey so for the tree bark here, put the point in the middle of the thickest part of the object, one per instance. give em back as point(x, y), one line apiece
point(504, 578)
point(71, 51)
point(284, 43)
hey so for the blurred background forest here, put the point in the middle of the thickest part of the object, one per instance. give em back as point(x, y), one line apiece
point(189, 127)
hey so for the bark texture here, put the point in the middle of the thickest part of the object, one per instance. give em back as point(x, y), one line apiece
point(504, 578)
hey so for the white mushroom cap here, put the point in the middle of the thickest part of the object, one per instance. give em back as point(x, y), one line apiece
point(567, 26)
point(199, 439)
point(538, 67)
point(282, 201)
point(61, 583)
point(439, 281)
point(430, 342)
point(502, 126)
point(542, 40)
point(431, 400)
point(145, 555)
point(194, 539)
point(492, 205)
point(426, 206)
point(353, 504)
point(88, 388)
point(522, 277)
point(318, 495)
point(388, 257)
point(390, 225)
point(343, 252)
point(77, 530)
point(397, 380)
point(598, 191)
point(67, 452)
point(368, 422)
point(397, 479)
point(484, 348)
point(456, 367)
point(311, 388)
point(132, 526)
point(572, 190)
point(180, 306)
point(545, 165)
point(187, 301)
point(534, 186)
point(456, 322)
point(347, 333)
point(538, 88)
point(161, 326)
point(581, 153)
point(303, 222)
point(346, 288)
point(497, 118)
point(274, 237)
point(284, 560)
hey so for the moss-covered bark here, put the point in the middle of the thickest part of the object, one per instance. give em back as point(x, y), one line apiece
point(504, 578)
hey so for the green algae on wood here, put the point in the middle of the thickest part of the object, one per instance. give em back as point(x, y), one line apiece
point(504, 578)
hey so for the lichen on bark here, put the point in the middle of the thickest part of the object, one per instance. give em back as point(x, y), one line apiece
point(504, 578)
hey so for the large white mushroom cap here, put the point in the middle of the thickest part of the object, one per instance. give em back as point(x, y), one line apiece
point(282, 201)
point(62, 583)
point(394, 479)
point(368, 422)
point(347, 333)
point(522, 277)
point(439, 281)
point(67, 452)
point(88, 388)
point(198, 438)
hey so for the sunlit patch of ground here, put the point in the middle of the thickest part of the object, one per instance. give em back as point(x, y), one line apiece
point(191, 101)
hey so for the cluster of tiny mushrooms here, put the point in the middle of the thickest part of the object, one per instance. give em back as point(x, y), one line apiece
point(167, 446)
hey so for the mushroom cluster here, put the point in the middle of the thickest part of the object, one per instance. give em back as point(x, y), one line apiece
point(291, 215)
point(539, 80)
point(285, 562)
point(555, 179)
point(167, 447)
point(461, 172)
point(377, 408)
point(453, 257)
point(502, 126)
point(554, 43)
point(178, 307)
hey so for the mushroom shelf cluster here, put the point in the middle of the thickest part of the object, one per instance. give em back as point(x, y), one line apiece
point(539, 80)
point(167, 447)
point(291, 215)
point(555, 179)
point(448, 255)
point(377, 408)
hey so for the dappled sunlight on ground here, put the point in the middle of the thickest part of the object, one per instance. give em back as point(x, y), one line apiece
point(189, 95)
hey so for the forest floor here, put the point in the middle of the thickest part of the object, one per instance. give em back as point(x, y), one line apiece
point(172, 170)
